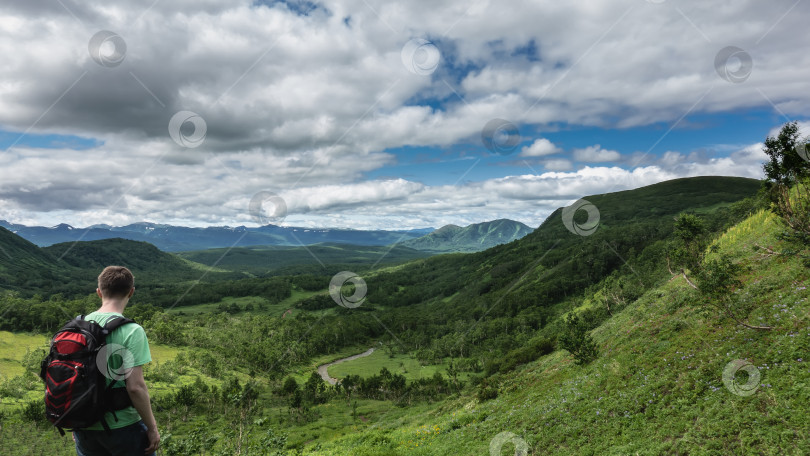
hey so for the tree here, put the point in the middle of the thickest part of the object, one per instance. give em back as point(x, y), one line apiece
point(717, 280)
point(576, 340)
point(290, 386)
point(314, 389)
point(688, 248)
point(787, 178)
point(690, 235)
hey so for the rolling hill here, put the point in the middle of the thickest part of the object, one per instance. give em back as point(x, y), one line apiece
point(145, 260)
point(268, 259)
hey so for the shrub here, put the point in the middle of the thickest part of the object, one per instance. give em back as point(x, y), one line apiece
point(576, 340)
point(34, 411)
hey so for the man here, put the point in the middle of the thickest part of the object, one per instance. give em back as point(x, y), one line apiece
point(135, 430)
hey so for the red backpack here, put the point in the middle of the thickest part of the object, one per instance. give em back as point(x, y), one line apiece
point(76, 390)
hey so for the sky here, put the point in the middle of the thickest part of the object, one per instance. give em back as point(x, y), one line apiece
point(374, 114)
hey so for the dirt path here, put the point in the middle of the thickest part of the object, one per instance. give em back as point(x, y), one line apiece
point(322, 369)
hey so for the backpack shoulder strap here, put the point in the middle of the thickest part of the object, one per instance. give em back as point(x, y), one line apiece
point(117, 322)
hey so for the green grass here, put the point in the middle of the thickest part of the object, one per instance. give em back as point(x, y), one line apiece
point(266, 259)
point(398, 364)
point(13, 348)
point(260, 305)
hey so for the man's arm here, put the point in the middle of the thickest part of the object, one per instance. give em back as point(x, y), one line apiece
point(139, 393)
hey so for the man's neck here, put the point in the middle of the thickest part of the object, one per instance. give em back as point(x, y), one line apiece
point(112, 306)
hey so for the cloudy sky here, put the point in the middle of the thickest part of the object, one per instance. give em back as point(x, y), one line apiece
point(380, 114)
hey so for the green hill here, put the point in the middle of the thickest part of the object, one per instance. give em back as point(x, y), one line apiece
point(657, 387)
point(144, 259)
point(271, 259)
point(24, 266)
point(472, 238)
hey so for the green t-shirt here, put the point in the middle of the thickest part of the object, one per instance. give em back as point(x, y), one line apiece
point(135, 352)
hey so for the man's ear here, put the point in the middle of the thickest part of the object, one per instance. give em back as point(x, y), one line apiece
point(131, 292)
point(98, 292)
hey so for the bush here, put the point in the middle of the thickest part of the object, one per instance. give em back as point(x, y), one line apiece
point(186, 396)
point(35, 411)
point(487, 389)
point(576, 340)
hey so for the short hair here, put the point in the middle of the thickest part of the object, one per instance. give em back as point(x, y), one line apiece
point(115, 282)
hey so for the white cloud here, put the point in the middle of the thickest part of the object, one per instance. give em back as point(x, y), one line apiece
point(539, 148)
point(595, 154)
point(309, 104)
point(219, 195)
point(560, 164)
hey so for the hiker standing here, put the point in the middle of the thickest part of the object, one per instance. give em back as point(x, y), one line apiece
point(94, 376)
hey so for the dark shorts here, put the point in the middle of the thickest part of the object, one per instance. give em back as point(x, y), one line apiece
point(126, 441)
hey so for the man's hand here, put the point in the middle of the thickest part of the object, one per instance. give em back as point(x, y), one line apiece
point(154, 440)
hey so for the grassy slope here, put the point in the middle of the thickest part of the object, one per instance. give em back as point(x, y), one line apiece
point(656, 387)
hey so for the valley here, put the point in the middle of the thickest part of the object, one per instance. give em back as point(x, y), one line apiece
point(570, 344)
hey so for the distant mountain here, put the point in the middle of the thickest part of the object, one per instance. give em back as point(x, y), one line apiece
point(178, 238)
point(472, 238)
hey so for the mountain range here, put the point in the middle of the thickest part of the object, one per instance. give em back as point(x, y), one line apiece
point(171, 238)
